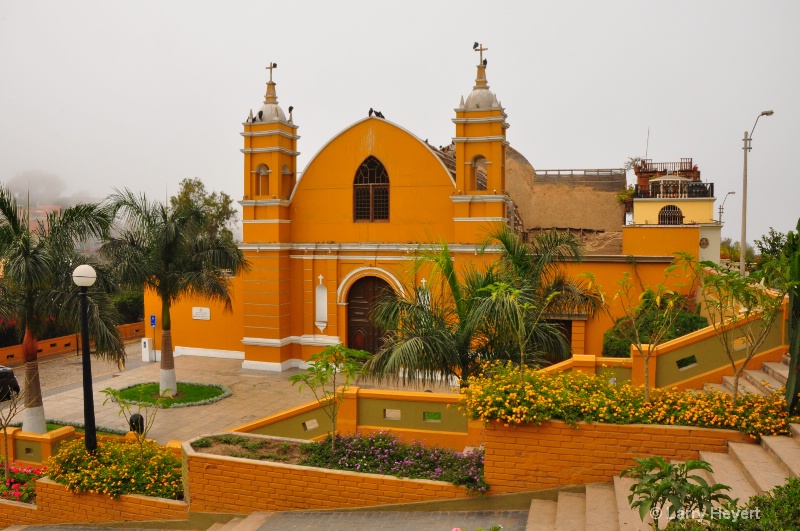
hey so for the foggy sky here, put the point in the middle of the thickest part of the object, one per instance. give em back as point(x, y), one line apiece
point(102, 95)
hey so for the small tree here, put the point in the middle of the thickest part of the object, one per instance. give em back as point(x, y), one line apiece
point(329, 375)
point(661, 483)
point(11, 406)
point(792, 254)
point(647, 318)
point(140, 421)
point(741, 310)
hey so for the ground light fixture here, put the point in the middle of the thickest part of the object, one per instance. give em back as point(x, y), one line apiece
point(747, 147)
point(84, 276)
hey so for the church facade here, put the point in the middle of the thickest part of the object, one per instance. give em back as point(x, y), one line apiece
point(323, 246)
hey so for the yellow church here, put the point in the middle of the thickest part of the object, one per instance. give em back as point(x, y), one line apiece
point(323, 245)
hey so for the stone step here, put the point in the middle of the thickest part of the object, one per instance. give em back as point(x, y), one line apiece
point(601, 507)
point(795, 430)
point(785, 359)
point(779, 371)
point(763, 381)
point(627, 518)
point(758, 466)
point(219, 526)
point(230, 526)
point(744, 386)
point(785, 450)
point(571, 511)
point(542, 516)
point(722, 388)
point(253, 522)
point(728, 472)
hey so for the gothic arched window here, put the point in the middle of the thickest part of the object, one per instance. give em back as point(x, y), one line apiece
point(670, 215)
point(371, 191)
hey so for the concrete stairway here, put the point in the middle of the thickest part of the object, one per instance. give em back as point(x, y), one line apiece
point(749, 469)
point(251, 523)
point(770, 378)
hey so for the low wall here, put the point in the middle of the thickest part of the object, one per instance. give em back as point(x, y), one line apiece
point(525, 458)
point(11, 356)
point(435, 418)
point(55, 504)
point(228, 484)
point(33, 449)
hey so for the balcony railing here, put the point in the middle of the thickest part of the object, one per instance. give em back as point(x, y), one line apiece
point(667, 167)
point(674, 189)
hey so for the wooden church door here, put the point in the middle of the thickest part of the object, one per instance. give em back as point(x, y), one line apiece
point(361, 333)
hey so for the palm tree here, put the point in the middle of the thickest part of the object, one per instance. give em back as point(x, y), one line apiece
point(491, 314)
point(36, 264)
point(171, 252)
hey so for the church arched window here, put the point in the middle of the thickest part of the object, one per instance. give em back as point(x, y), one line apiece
point(262, 180)
point(371, 191)
point(670, 215)
point(477, 179)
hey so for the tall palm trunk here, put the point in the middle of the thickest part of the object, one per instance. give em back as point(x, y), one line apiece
point(168, 384)
point(33, 418)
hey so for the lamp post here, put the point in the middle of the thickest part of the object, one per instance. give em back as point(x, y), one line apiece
point(746, 148)
point(722, 206)
point(84, 276)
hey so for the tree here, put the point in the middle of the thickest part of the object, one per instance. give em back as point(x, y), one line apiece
point(172, 252)
point(771, 248)
point(741, 309)
point(36, 285)
point(647, 317)
point(792, 257)
point(217, 209)
point(488, 314)
point(322, 377)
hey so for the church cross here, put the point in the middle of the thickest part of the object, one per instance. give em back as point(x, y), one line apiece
point(423, 282)
point(270, 67)
point(481, 49)
point(320, 279)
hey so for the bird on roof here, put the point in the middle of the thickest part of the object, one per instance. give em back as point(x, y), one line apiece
point(475, 46)
point(370, 111)
point(485, 62)
point(379, 114)
point(274, 65)
point(260, 114)
point(291, 108)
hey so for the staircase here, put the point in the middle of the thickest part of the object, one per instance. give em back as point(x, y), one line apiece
point(251, 523)
point(748, 469)
point(771, 378)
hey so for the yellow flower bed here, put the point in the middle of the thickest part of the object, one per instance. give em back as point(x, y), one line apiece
point(502, 393)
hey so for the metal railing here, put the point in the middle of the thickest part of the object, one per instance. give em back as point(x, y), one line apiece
point(674, 189)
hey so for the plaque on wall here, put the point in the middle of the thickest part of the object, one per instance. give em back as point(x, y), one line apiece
point(703, 243)
point(201, 314)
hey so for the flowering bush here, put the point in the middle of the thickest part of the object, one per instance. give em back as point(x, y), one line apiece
point(383, 453)
point(502, 393)
point(20, 484)
point(118, 468)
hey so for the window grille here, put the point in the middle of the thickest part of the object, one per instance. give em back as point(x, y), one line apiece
point(371, 191)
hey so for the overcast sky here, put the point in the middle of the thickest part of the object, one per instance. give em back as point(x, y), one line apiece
point(98, 95)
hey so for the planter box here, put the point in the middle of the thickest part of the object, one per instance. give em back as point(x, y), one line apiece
point(233, 485)
point(55, 505)
point(525, 458)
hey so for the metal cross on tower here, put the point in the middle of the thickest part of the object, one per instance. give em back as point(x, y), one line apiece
point(270, 67)
point(480, 49)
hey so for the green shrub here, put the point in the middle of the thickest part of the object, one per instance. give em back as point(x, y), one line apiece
point(130, 305)
point(118, 468)
point(686, 322)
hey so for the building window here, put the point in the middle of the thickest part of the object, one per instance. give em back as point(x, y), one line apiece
point(371, 191)
point(670, 215)
point(477, 179)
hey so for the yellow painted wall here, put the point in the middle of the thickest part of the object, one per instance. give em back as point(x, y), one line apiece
point(660, 240)
point(694, 210)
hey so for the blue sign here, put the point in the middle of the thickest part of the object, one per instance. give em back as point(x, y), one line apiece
point(153, 321)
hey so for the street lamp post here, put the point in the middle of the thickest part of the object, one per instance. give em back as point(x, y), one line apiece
point(722, 206)
point(84, 276)
point(747, 147)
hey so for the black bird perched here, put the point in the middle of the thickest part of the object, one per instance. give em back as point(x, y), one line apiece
point(260, 113)
point(379, 114)
point(274, 65)
point(485, 61)
point(370, 111)
point(291, 108)
point(475, 46)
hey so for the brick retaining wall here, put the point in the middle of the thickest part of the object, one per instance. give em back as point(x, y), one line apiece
point(525, 458)
point(55, 504)
point(229, 484)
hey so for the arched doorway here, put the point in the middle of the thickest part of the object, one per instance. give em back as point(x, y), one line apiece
point(361, 333)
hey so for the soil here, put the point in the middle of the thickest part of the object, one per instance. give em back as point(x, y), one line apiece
point(250, 448)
